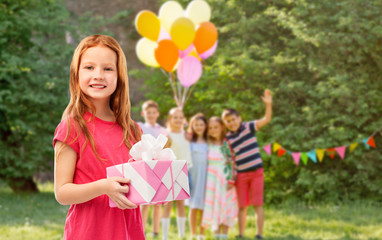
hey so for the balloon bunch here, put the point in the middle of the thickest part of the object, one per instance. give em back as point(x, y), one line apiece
point(178, 40)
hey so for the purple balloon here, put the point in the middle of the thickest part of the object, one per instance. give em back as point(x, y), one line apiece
point(189, 71)
point(209, 52)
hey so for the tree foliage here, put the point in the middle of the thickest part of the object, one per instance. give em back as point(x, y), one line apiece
point(37, 40)
point(34, 60)
point(322, 61)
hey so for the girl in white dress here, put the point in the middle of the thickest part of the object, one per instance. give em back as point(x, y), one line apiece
point(181, 147)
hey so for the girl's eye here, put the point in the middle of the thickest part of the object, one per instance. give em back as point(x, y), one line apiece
point(108, 69)
point(88, 67)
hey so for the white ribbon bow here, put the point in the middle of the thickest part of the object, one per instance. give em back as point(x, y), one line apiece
point(150, 148)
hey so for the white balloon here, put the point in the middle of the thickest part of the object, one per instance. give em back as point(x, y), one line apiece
point(145, 50)
point(198, 11)
point(169, 12)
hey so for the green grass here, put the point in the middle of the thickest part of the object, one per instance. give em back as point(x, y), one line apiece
point(39, 216)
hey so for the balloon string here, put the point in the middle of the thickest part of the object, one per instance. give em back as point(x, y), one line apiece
point(189, 94)
point(170, 78)
point(179, 94)
point(184, 95)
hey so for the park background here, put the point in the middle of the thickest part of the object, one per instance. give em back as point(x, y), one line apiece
point(322, 60)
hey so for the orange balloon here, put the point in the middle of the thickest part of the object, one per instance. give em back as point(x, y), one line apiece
point(205, 37)
point(167, 54)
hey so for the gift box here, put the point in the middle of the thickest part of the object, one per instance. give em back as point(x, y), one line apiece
point(155, 174)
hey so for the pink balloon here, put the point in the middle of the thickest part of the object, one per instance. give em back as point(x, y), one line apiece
point(209, 52)
point(189, 71)
point(185, 52)
point(163, 34)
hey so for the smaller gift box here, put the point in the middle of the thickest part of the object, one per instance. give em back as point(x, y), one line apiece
point(156, 176)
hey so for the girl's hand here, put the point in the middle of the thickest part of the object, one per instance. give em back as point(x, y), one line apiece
point(267, 98)
point(188, 136)
point(230, 186)
point(115, 188)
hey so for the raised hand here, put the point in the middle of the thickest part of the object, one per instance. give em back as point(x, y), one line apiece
point(267, 98)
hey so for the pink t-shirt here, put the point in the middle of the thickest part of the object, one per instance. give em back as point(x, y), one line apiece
point(155, 130)
point(94, 219)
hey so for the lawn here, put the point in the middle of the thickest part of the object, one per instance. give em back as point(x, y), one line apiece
point(39, 216)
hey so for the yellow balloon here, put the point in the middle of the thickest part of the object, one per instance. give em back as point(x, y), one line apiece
point(145, 50)
point(195, 54)
point(182, 32)
point(169, 12)
point(198, 11)
point(148, 25)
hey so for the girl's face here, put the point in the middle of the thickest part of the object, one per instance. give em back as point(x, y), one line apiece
point(98, 73)
point(199, 127)
point(176, 120)
point(215, 129)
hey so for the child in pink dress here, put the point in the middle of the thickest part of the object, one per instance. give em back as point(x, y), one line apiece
point(220, 206)
point(96, 132)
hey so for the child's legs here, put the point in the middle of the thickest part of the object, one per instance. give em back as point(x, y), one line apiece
point(145, 213)
point(199, 222)
point(259, 219)
point(257, 199)
point(167, 210)
point(180, 208)
point(193, 220)
point(242, 219)
point(156, 217)
point(196, 216)
point(242, 192)
point(224, 229)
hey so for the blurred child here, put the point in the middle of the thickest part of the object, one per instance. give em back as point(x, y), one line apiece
point(198, 172)
point(249, 166)
point(150, 112)
point(181, 147)
point(96, 132)
point(220, 208)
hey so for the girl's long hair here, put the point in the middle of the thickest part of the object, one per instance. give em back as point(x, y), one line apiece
point(223, 132)
point(198, 116)
point(119, 100)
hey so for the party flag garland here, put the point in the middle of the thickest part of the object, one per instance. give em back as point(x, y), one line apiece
point(317, 155)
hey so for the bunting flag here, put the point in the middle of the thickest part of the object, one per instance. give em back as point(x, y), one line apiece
point(276, 147)
point(296, 157)
point(331, 152)
point(304, 158)
point(319, 153)
point(365, 142)
point(267, 149)
point(341, 151)
point(312, 155)
point(281, 152)
point(371, 142)
point(353, 146)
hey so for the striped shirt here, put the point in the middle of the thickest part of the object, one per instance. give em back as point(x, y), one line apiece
point(245, 147)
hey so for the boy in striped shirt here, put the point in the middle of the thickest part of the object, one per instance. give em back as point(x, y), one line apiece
point(249, 180)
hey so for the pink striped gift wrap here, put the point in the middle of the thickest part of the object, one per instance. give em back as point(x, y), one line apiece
point(153, 181)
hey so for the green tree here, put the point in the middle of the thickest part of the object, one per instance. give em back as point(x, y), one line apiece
point(322, 61)
point(34, 60)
